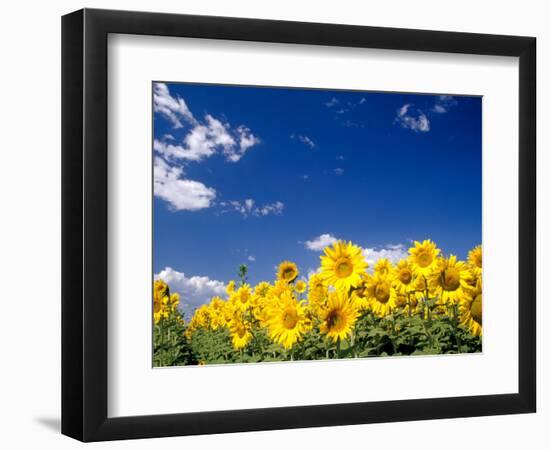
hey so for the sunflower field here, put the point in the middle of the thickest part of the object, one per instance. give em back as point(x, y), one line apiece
point(426, 304)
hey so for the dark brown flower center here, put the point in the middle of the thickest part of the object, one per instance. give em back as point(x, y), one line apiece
point(450, 279)
point(290, 319)
point(475, 309)
point(382, 292)
point(344, 268)
point(405, 276)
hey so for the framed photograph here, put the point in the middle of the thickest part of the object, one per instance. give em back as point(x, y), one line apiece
point(273, 224)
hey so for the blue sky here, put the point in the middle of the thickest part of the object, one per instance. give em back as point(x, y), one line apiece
point(259, 175)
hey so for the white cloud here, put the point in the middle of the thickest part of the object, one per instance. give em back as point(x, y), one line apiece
point(219, 133)
point(195, 152)
point(443, 103)
point(203, 140)
point(339, 171)
point(332, 102)
point(251, 258)
point(248, 207)
point(440, 109)
point(271, 208)
point(416, 121)
point(304, 140)
point(172, 108)
point(194, 290)
point(245, 139)
point(320, 242)
point(180, 193)
point(392, 252)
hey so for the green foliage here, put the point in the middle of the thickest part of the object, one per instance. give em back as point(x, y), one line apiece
point(170, 346)
point(395, 335)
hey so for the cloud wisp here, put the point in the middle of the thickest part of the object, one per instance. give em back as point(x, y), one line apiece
point(249, 207)
point(332, 102)
point(304, 140)
point(318, 243)
point(174, 109)
point(444, 103)
point(412, 119)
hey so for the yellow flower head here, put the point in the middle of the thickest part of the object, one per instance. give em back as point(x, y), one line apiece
point(163, 302)
point(403, 277)
point(217, 313)
point(242, 297)
point(300, 286)
point(474, 259)
point(157, 311)
point(317, 294)
point(423, 257)
point(160, 290)
point(288, 271)
point(342, 265)
point(287, 321)
point(470, 310)
point(278, 288)
point(262, 289)
point(381, 294)
point(450, 280)
point(359, 294)
point(230, 288)
point(240, 332)
point(339, 315)
point(383, 267)
point(174, 301)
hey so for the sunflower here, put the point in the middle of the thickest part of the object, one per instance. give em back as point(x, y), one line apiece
point(262, 289)
point(450, 280)
point(381, 294)
point(359, 294)
point(342, 265)
point(201, 318)
point(300, 286)
point(278, 288)
point(338, 316)
point(217, 313)
point(470, 310)
point(317, 293)
point(240, 332)
point(242, 298)
point(174, 301)
point(403, 279)
point(474, 258)
point(423, 257)
point(230, 288)
point(160, 290)
point(157, 311)
point(287, 322)
point(288, 271)
point(383, 267)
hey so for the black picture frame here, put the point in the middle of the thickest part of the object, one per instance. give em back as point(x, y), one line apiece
point(85, 236)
